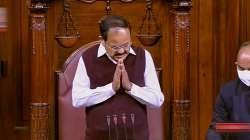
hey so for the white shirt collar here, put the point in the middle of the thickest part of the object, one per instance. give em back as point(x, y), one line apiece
point(102, 51)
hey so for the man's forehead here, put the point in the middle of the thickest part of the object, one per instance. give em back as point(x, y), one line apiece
point(243, 59)
point(244, 53)
point(119, 30)
point(118, 35)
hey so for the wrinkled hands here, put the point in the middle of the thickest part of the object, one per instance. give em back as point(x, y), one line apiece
point(121, 77)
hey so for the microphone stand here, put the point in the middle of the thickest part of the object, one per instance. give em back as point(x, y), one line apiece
point(108, 122)
point(124, 125)
point(132, 117)
point(116, 129)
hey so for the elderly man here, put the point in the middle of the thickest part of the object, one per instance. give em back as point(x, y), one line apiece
point(233, 103)
point(115, 81)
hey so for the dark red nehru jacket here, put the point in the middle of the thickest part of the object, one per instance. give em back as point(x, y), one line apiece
point(121, 117)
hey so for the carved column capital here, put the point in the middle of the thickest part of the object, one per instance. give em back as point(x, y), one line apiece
point(181, 4)
point(39, 6)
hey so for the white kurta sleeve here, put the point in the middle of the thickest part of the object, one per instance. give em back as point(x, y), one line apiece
point(82, 95)
point(150, 94)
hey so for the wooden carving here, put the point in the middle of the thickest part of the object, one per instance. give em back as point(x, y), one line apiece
point(39, 121)
point(108, 3)
point(38, 33)
point(181, 103)
point(39, 72)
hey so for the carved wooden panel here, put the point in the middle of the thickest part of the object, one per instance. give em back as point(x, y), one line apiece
point(39, 121)
point(180, 23)
point(39, 58)
point(39, 72)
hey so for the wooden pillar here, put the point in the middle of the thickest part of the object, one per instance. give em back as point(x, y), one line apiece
point(180, 41)
point(39, 71)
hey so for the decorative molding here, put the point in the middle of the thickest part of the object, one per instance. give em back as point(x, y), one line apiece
point(182, 24)
point(38, 6)
point(181, 125)
point(38, 26)
point(92, 1)
point(181, 4)
point(108, 3)
point(38, 22)
point(182, 21)
point(39, 121)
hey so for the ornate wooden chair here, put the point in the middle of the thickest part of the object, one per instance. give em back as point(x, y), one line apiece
point(71, 121)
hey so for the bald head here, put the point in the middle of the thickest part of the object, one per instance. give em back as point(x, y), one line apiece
point(243, 57)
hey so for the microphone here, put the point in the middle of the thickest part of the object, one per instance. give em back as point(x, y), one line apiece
point(124, 125)
point(116, 129)
point(108, 123)
point(132, 117)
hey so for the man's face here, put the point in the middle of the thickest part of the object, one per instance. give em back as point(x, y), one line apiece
point(243, 60)
point(118, 43)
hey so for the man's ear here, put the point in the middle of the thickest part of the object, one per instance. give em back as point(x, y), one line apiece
point(103, 42)
point(100, 37)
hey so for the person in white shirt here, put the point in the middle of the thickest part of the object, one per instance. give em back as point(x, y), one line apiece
point(114, 90)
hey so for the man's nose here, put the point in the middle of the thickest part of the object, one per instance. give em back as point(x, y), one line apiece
point(121, 50)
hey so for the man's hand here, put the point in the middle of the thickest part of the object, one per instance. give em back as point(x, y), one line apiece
point(116, 84)
point(126, 84)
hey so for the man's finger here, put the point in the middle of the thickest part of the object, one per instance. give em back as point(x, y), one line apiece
point(120, 61)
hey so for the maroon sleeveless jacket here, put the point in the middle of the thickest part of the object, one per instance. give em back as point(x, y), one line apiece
point(121, 117)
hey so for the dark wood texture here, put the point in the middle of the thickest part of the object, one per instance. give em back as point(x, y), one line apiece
point(39, 85)
point(12, 124)
point(217, 28)
point(180, 23)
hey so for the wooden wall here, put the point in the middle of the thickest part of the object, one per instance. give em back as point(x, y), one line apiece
point(218, 28)
point(218, 32)
point(13, 125)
